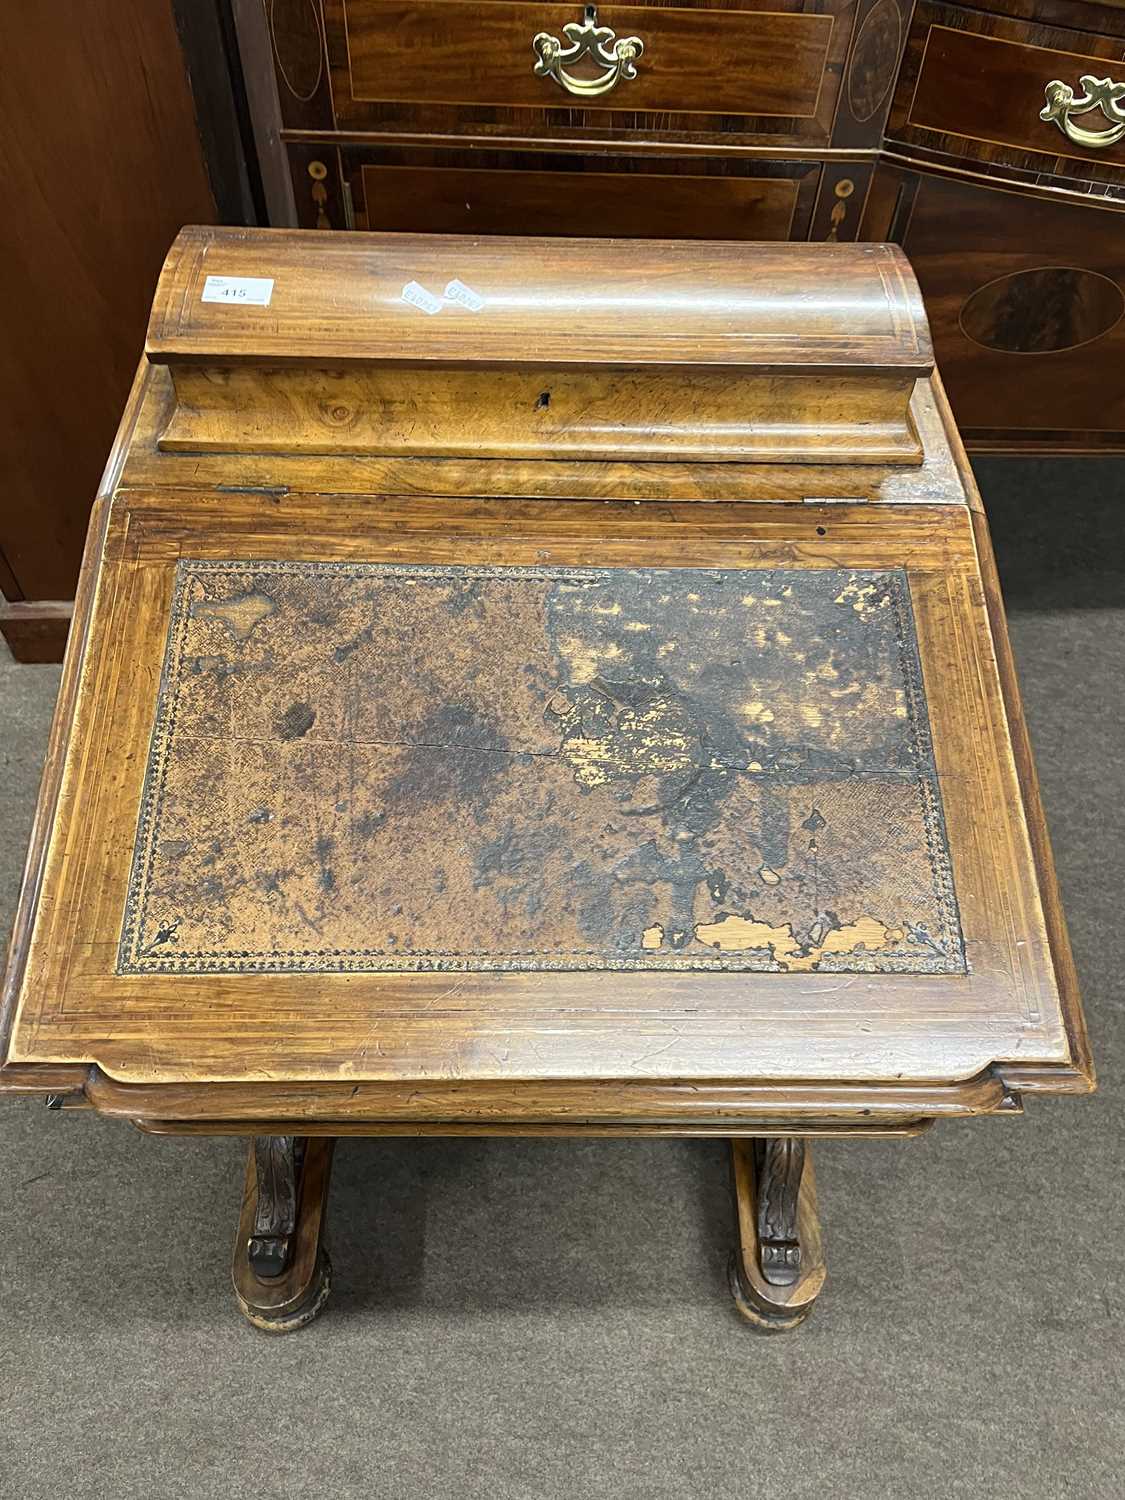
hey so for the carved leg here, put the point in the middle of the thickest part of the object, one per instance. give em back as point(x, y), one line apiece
point(777, 1269)
point(281, 1269)
point(278, 1160)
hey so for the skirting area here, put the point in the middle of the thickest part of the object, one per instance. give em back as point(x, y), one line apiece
point(544, 1320)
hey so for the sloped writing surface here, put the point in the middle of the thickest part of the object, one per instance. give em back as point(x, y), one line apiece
point(369, 767)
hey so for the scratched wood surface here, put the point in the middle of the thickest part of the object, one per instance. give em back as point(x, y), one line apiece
point(358, 767)
point(149, 464)
point(713, 352)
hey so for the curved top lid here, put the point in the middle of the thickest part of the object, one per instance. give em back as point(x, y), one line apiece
point(455, 299)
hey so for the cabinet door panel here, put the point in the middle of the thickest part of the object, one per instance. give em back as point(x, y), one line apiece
point(1026, 300)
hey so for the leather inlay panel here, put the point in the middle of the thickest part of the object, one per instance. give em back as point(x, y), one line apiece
point(374, 767)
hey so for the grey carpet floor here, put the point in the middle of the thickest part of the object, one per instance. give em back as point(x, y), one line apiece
point(550, 1319)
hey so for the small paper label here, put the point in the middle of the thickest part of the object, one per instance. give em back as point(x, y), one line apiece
point(457, 291)
point(250, 291)
point(417, 295)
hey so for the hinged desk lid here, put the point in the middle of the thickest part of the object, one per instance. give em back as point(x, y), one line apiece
point(551, 348)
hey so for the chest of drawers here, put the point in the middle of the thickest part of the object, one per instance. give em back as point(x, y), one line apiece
point(746, 120)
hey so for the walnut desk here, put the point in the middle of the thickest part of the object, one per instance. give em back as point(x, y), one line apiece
point(538, 687)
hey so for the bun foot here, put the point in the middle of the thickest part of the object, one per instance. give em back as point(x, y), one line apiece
point(762, 1317)
point(288, 1319)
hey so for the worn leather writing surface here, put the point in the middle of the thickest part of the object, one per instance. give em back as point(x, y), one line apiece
point(370, 767)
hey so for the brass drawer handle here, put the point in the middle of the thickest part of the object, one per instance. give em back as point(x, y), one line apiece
point(617, 58)
point(1101, 93)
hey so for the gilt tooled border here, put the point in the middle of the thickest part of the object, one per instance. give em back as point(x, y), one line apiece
point(949, 955)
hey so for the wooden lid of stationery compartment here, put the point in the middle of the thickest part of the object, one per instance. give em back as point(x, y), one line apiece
point(426, 345)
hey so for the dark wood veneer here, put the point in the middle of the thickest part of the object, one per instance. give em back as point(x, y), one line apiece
point(696, 60)
point(1025, 306)
point(755, 69)
point(947, 96)
point(972, 86)
point(585, 196)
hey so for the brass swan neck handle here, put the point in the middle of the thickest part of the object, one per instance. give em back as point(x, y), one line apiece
point(616, 58)
point(1100, 93)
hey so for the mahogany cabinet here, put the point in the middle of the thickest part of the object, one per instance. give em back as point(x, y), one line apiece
point(1015, 228)
point(753, 120)
point(1031, 333)
point(102, 162)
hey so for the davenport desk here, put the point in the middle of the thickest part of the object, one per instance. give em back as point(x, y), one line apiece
point(546, 688)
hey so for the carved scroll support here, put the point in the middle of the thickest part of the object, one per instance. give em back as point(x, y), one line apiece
point(281, 1270)
point(779, 1165)
point(777, 1269)
point(277, 1167)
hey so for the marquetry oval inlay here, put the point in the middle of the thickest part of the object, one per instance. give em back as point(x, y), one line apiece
point(874, 59)
point(297, 45)
point(1042, 311)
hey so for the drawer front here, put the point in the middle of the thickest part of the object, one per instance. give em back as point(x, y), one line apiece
point(556, 194)
point(974, 85)
point(752, 68)
point(1026, 301)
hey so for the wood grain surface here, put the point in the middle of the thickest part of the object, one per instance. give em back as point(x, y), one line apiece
point(653, 202)
point(759, 1299)
point(813, 1028)
point(972, 84)
point(406, 486)
point(430, 119)
point(696, 60)
point(536, 1024)
point(339, 299)
point(549, 412)
point(755, 69)
point(1030, 322)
